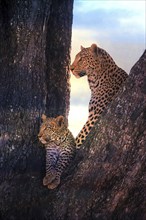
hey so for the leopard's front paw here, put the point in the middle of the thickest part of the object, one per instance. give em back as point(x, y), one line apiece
point(49, 178)
point(54, 183)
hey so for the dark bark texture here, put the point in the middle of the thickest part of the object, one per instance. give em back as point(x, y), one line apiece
point(108, 181)
point(108, 177)
point(35, 38)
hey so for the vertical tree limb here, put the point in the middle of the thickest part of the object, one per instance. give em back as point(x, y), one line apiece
point(35, 37)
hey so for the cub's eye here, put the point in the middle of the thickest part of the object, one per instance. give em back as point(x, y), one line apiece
point(79, 58)
point(80, 62)
point(48, 126)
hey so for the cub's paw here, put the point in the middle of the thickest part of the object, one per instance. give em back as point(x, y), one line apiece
point(49, 178)
point(54, 183)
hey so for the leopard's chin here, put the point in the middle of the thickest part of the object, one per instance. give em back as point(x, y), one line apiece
point(82, 73)
point(79, 74)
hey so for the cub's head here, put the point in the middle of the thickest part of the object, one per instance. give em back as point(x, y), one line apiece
point(53, 130)
point(86, 61)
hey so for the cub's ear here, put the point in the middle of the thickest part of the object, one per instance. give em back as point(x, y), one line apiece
point(94, 49)
point(44, 117)
point(60, 120)
point(82, 47)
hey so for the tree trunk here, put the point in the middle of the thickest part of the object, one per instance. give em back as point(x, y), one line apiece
point(110, 180)
point(35, 38)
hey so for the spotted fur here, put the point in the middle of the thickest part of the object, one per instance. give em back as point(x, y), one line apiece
point(105, 79)
point(60, 148)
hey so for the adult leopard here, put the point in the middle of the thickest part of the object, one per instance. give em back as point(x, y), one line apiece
point(60, 148)
point(105, 79)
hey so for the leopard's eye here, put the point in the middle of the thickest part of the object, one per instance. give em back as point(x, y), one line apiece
point(78, 58)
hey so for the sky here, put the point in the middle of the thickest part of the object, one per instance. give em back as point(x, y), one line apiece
point(118, 26)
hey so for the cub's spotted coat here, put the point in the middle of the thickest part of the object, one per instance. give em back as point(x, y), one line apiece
point(60, 148)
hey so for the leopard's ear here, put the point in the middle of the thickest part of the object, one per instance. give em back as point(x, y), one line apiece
point(82, 47)
point(94, 49)
point(44, 117)
point(60, 120)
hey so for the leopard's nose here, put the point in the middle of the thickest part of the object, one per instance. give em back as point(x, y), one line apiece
point(71, 68)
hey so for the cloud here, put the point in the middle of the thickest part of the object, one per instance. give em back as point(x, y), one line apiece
point(123, 19)
point(111, 22)
point(108, 5)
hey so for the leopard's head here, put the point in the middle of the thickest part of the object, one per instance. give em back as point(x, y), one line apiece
point(87, 61)
point(53, 130)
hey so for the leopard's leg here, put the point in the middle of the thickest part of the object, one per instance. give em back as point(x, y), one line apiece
point(97, 105)
point(51, 159)
point(65, 158)
point(85, 130)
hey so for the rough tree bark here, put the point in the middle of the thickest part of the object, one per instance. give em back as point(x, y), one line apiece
point(109, 180)
point(35, 38)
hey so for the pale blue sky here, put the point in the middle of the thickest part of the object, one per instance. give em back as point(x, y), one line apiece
point(118, 27)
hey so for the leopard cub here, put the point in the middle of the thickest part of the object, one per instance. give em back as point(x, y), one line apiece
point(60, 148)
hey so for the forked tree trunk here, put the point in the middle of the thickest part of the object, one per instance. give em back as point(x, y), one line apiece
point(109, 181)
point(35, 38)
